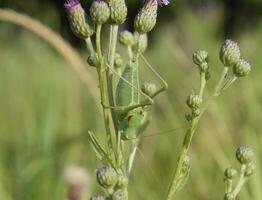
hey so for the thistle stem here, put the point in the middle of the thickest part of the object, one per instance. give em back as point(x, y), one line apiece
point(102, 84)
point(89, 46)
point(202, 83)
point(241, 181)
point(98, 41)
point(110, 88)
point(186, 144)
point(220, 82)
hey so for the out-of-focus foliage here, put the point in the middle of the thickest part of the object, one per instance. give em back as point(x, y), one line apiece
point(45, 111)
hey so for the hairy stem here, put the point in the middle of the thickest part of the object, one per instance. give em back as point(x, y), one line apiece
point(89, 46)
point(241, 181)
point(220, 82)
point(98, 41)
point(102, 86)
point(186, 144)
point(110, 88)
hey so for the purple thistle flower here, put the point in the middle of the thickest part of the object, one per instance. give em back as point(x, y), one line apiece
point(163, 2)
point(72, 5)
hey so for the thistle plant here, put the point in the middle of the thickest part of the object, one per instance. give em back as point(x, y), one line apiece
point(245, 156)
point(234, 68)
point(126, 102)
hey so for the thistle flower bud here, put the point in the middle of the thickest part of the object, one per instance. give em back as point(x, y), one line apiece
point(78, 19)
point(141, 43)
point(250, 168)
point(119, 195)
point(194, 101)
point(98, 197)
point(245, 155)
point(200, 58)
point(127, 38)
point(118, 11)
point(229, 196)
point(106, 177)
point(122, 182)
point(149, 88)
point(99, 11)
point(118, 61)
point(241, 68)
point(229, 53)
point(146, 18)
point(230, 173)
point(93, 60)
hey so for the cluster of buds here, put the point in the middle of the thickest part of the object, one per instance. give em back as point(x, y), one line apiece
point(245, 156)
point(230, 56)
point(109, 179)
point(200, 58)
point(194, 102)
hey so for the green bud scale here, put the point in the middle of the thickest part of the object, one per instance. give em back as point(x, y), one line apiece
point(118, 11)
point(99, 11)
point(230, 173)
point(149, 88)
point(146, 18)
point(127, 38)
point(194, 101)
point(79, 24)
point(229, 53)
point(106, 177)
point(241, 68)
point(245, 155)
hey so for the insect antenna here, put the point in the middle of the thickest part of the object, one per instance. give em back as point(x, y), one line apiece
point(174, 130)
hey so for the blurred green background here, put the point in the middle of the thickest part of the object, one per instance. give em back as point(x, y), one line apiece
point(45, 110)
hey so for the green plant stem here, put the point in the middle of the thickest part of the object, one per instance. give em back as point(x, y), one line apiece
point(228, 185)
point(202, 83)
point(98, 41)
point(220, 82)
point(241, 181)
point(186, 144)
point(130, 52)
point(229, 83)
point(89, 46)
point(110, 88)
point(102, 85)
